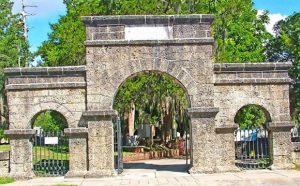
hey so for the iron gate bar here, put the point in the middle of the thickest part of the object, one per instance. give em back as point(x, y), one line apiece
point(50, 159)
point(252, 148)
point(118, 145)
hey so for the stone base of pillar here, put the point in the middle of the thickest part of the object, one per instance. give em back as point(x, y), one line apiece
point(101, 173)
point(229, 168)
point(201, 170)
point(22, 175)
point(285, 166)
point(78, 174)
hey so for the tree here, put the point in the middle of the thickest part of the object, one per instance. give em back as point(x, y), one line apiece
point(157, 99)
point(50, 121)
point(286, 47)
point(240, 34)
point(13, 49)
point(250, 116)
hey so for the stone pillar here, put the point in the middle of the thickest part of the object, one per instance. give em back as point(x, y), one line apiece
point(20, 153)
point(225, 150)
point(100, 143)
point(78, 158)
point(203, 137)
point(280, 145)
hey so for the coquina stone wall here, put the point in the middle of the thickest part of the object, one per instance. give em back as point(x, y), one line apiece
point(84, 95)
point(34, 90)
point(262, 84)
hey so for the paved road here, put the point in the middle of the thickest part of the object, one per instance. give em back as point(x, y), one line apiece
point(172, 172)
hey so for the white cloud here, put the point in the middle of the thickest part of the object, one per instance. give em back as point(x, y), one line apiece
point(45, 8)
point(274, 18)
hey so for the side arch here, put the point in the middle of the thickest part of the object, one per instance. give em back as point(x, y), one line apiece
point(265, 111)
point(51, 106)
point(264, 106)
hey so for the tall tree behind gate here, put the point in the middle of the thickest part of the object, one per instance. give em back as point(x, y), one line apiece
point(13, 48)
point(239, 32)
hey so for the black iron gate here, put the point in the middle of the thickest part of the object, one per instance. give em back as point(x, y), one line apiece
point(50, 153)
point(252, 148)
point(118, 145)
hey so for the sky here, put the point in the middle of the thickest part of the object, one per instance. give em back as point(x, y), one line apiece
point(49, 11)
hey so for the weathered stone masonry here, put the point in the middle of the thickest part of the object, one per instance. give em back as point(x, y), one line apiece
point(85, 94)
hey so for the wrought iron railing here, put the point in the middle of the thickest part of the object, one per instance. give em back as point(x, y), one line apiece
point(252, 148)
point(50, 154)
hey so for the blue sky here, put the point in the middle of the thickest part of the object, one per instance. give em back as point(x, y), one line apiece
point(49, 11)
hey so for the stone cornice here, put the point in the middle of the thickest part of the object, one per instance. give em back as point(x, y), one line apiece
point(253, 81)
point(45, 86)
point(226, 129)
point(202, 112)
point(100, 115)
point(76, 132)
point(45, 71)
point(251, 67)
point(280, 126)
point(20, 133)
point(147, 19)
point(201, 41)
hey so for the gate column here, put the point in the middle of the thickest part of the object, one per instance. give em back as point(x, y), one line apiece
point(20, 153)
point(280, 145)
point(225, 150)
point(100, 143)
point(78, 151)
point(203, 139)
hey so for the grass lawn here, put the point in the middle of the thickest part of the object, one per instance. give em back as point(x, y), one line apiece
point(297, 166)
point(4, 148)
point(4, 180)
point(45, 153)
point(125, 153)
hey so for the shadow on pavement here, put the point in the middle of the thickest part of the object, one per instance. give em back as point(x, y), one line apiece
point(171, 168)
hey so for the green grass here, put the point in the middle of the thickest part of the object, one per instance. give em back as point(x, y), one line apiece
point(4, 148)
point(125, 153)
point(297, 165)
point(45, 153)
point(4, 180)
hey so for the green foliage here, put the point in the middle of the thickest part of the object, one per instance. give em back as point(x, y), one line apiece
point(5, 180)
point(12, 41)
point(286, 47)
point(239, 33)
point(50, 121)
point(4, 148)
point(250, 116)
point(2, 135)
point(13, 51)
point(153, 95)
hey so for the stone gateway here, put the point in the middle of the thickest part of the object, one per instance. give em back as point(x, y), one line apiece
point(182, 48)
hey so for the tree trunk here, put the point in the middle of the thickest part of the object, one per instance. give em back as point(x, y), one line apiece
point(167, 125)
point(131, 116)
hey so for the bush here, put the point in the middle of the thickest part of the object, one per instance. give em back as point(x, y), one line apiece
point(4, 180)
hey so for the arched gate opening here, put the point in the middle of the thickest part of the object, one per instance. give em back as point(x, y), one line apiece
point(50, 145)
point(252, 150)
point(152, 122)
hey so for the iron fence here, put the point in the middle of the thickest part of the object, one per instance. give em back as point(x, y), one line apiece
point(118, 145)
point(252, 148)
point(50, 153)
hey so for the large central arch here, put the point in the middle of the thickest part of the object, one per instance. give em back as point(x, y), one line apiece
point(184, 56)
